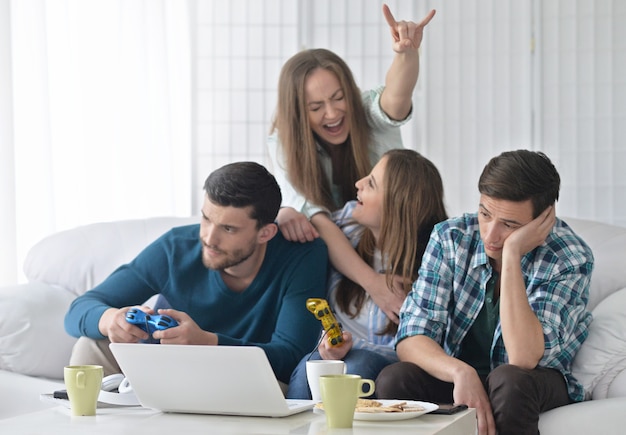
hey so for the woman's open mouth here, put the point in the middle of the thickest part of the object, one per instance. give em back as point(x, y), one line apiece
point(335, 127)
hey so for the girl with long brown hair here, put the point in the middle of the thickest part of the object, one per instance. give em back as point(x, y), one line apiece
point(389, 225)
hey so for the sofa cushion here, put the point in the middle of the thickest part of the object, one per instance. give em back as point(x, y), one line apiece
point(618, 386)
point(602, 357)
point(80, 258)
point(604, 417)
point(32, 338)
point(608, 243)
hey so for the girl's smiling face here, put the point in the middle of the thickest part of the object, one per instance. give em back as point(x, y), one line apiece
point(370, 195)
point(326, 104)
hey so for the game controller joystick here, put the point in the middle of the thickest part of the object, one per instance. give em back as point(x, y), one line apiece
point(332, 328)
point(150, 322)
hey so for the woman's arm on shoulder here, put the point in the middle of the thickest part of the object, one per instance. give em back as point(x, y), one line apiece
point(345, 259)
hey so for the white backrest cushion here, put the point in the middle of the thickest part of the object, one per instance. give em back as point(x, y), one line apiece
point(602, 356)
point(608, 243)
point(80, 258)
point(32, 338)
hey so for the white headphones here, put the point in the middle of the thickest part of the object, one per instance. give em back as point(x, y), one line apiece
point(117, 382)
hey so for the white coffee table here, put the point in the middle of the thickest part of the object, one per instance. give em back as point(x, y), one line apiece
point(58, 420)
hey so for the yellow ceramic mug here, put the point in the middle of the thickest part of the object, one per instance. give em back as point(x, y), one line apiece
point(339, 396)
point(83, 384)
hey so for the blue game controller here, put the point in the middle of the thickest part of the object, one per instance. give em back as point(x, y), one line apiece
point(149, 322)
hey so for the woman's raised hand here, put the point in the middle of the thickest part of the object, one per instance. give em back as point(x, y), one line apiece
point(406, 35)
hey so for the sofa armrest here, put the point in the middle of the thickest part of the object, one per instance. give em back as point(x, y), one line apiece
point(33, 340)
point(602, 357)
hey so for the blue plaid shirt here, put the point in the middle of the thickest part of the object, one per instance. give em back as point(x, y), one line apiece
point(450, 292)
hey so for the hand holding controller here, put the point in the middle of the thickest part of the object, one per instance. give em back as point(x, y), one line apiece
point(332, 328)
point(149, 322)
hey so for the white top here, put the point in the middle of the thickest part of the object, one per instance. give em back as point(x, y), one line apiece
point(360, 326)
point(385, 136)
point(366, 327)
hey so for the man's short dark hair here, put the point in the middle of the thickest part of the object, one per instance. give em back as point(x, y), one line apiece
point(244, 184)
point(519, 176)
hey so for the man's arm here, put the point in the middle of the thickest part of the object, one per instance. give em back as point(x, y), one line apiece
point(468, 388)
point(428, 355)
point(94, 313)
point(522, 331)
point(113, 325)
point(122, 289)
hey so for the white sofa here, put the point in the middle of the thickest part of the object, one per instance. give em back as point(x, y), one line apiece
point(34, 346)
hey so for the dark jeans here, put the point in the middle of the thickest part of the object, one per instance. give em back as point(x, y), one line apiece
point(517, 395)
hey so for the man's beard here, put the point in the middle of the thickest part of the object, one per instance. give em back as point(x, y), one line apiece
point(235, 258)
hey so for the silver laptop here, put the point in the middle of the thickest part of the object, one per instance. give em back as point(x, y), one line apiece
point(226, 380)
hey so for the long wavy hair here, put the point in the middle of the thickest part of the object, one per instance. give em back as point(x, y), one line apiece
point(291, 121)
point(412, 204)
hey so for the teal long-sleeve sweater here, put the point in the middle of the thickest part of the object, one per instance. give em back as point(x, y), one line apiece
point(271, 313)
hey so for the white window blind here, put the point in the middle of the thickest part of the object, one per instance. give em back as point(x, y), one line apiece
point(496, 75)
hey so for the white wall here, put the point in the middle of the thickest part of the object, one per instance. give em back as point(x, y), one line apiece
point(240, 47)
point(8, 260)
point(547, 75)
point(95, 117)
point(582, 103)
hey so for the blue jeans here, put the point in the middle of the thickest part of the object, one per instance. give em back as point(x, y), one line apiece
point(363, 362)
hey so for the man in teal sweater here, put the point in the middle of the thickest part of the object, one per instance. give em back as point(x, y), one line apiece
point(231, 280)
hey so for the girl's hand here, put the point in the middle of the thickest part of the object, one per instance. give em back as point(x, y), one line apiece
point(336, 352)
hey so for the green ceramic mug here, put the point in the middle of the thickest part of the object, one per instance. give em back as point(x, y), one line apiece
point(339, 396)
point(83, 384)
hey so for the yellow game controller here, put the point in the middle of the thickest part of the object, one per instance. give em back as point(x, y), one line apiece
point(332, 328)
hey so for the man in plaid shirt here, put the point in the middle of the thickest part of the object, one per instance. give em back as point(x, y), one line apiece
point(498, 310)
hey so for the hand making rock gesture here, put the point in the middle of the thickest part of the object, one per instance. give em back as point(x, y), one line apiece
point(406, 35)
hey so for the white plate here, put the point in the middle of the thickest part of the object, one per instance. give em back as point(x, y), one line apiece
point(386, 416)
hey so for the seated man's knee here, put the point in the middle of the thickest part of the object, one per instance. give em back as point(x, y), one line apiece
point(514, 399)
point(508, 380)
point(87, 351)
point(511, 392)
point(393, 380)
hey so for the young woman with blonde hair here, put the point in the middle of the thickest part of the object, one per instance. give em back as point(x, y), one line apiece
point(327, 134)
